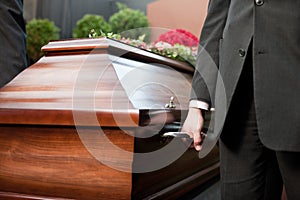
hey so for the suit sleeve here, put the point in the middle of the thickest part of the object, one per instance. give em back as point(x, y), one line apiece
point(13, 40)
point(205, 76)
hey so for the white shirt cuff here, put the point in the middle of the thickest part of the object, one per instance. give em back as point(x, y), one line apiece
point(199, 104)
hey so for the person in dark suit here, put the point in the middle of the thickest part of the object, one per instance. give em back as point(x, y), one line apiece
point(13, 40)
point(255, 47)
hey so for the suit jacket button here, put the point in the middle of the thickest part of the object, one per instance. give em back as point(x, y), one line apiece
point(242, 52)
point(259, 2)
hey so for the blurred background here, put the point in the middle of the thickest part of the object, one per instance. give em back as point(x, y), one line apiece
point(171, 14)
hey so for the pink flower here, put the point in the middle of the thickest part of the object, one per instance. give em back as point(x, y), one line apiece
point(178, 36)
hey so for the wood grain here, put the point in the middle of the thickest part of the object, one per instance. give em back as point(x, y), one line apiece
point(67, 125)
point(50, 91)
point(53, 162)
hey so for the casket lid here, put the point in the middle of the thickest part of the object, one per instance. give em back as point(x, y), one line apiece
point(100, 79)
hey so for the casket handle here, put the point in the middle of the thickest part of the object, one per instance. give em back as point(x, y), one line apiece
point(171, 103)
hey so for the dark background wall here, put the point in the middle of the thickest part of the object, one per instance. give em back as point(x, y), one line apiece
point(65, 13)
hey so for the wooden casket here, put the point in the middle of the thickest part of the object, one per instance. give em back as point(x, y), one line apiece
point(85, 122)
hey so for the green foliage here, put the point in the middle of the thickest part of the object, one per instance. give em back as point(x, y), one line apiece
point(177, 52)
point(121, 6)
point(39, 33)
point(88, 23)
point(113, 36)
point(129, 22)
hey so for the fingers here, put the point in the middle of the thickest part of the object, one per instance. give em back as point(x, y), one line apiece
point(197, 141)
point(193, 125)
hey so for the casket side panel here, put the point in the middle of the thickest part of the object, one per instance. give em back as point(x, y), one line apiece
point(54, 162)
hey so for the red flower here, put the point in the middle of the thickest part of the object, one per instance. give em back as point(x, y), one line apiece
point(179, 36)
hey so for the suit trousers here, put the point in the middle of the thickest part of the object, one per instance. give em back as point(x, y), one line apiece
point(250, 170)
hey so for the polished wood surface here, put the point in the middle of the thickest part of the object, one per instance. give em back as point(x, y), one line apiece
point(45, 92)
point(49, 86)
point(52, 161)
point(176, 179)
point(112, 47)
point(54, 114)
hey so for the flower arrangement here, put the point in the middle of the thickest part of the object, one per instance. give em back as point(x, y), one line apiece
point(139, 43)
point(177, 52)
point(182, 48)
point(178, 44)
point(179, 36)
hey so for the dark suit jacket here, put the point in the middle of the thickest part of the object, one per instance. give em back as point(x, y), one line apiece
point(13, 40)
point(274, 26)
